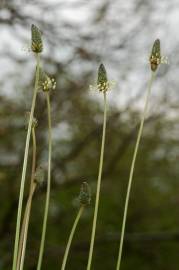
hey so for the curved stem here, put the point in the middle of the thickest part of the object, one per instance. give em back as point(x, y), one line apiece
point(71, 237)
point(132, 171)
point(98, 186)
point(48, 185)
point(25, 222)
point(21, 195)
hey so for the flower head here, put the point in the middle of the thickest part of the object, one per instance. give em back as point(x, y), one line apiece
point(155, 58)
point(103, 84)
point(85, 194)
point(46, 83)
point(36, 39)
point(49, 84)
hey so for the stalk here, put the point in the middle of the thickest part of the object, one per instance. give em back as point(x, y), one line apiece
point(25, 223)
point(44, 228)
point(21, 195)
point(71, 237)
point(98, 186)
point(29, 204)
point(132, 170)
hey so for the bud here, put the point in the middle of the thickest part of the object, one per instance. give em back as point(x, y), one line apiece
point(36, 39)
point(39, 175)
point(155, 58)
point(85, 194)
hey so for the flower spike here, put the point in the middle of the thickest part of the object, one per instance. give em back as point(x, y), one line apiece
point(85, 194)
point(36, 39)
point(46, 83)
point(156, 59)
point(103, 84)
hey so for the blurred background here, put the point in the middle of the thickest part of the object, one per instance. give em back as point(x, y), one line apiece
point(78, 36)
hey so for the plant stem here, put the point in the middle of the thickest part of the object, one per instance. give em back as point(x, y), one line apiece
point(71, 237)
point(25, 223)
point(132, 170)
point(48, 184)
point(98, 186)
point(21, 195)
point(29, 204)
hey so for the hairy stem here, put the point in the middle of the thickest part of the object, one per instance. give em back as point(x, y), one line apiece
point(44, 228)
point(132, 170)
point(71, 237)
point(98, 186)
point(21, 195)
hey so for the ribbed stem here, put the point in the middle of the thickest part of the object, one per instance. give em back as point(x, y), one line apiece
point(71, 237)
point(44, 228)
point(98, 186)
point(132, 170)
point(25, 223)
point(21, 195)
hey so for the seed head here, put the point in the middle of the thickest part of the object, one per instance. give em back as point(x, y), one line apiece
point(36, 39)
point(85, 194)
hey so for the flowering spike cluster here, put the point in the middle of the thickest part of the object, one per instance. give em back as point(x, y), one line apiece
point(49, 84)
point(103, 84)
point(39, 175)
point(36, 39)
point(85, 194)
point(46, 83)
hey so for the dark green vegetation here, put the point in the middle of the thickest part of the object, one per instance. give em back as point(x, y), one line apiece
point(152, 227)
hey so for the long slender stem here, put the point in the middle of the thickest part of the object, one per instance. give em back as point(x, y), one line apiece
point(21, 195)
point(48, 184)
point(27, 226)
point(98, 186)
point(25, 222)
point(132, 171)
point(71, 237)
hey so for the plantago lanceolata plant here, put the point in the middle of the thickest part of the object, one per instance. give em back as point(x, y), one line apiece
point(155, 60)
point(84, 199)
point(103, 86)
point(36, 43)
point(47, 85)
